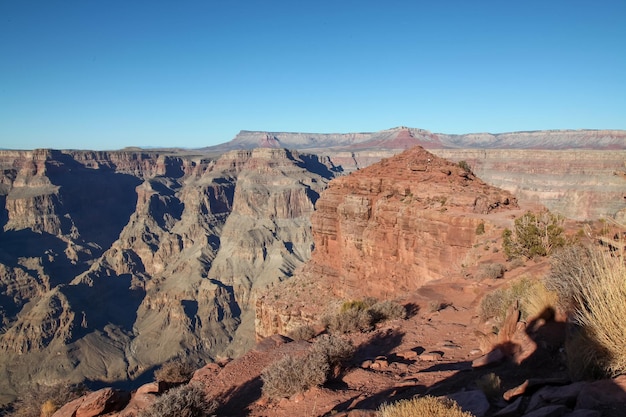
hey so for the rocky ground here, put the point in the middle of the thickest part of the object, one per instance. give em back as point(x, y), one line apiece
point(436, 351)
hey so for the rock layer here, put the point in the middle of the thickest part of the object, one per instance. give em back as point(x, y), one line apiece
point(112, 263)
point(386, 230)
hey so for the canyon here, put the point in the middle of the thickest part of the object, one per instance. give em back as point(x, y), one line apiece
point(113, 262)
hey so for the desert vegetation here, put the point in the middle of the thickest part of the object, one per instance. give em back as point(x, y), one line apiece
point(530, 295)
point(183, 401)
point(294, 374)
point(534, 234)
point(424, 407)
point(45, 400)
point(591, 283)
point(175, 372)
point(362, 315)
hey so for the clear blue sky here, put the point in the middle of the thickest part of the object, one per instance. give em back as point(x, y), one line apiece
point(104, 74)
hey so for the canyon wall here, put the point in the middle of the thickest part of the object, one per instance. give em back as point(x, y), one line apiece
point(385, 231)
point(579, 184)
point(111, 263)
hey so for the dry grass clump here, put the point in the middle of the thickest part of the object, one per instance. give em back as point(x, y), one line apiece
point(423, 407)
point(490, 271)
point(183, 401)
point(362, 315)
point(44, 400)
point(531, 296)
point(570, 267)
point(291, 375)
point(595, 345)
point(305, 332)
point(175, 372)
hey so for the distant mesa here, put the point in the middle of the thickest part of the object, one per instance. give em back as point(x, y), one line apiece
point(402, 137)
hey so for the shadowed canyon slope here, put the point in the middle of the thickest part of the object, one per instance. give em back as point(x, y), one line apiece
point(114, 262)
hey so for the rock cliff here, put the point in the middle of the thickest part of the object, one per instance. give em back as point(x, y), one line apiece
point(386, 230)
point(113, 262)
point(581, 185)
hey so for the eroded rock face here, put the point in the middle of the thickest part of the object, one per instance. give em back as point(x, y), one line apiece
point(388, 229)
point(114, 262)
point(579, 184)
point(399, 223)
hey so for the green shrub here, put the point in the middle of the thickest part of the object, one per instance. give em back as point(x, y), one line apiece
point(183, 401)
point(353, 305)
point(480, 229)
point(423, 407)
point(534, 234)
point(175, 372)
point(465, 166)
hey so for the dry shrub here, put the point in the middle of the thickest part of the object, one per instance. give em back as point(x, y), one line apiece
point(335, 350)
point(305, 332)
point(48, 408)
point(595, 346)
point(183, 401)
point(570, 267)
point(387, 310)
point(175, 372)
point(352, 320)
point(362, 315)
point(491, 271)
point(42, 399)
point(291, 375)
point(423, 407)
point(531, 295)
point(540, 302)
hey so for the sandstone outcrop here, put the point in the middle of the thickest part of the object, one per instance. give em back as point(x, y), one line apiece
point(386, 230)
